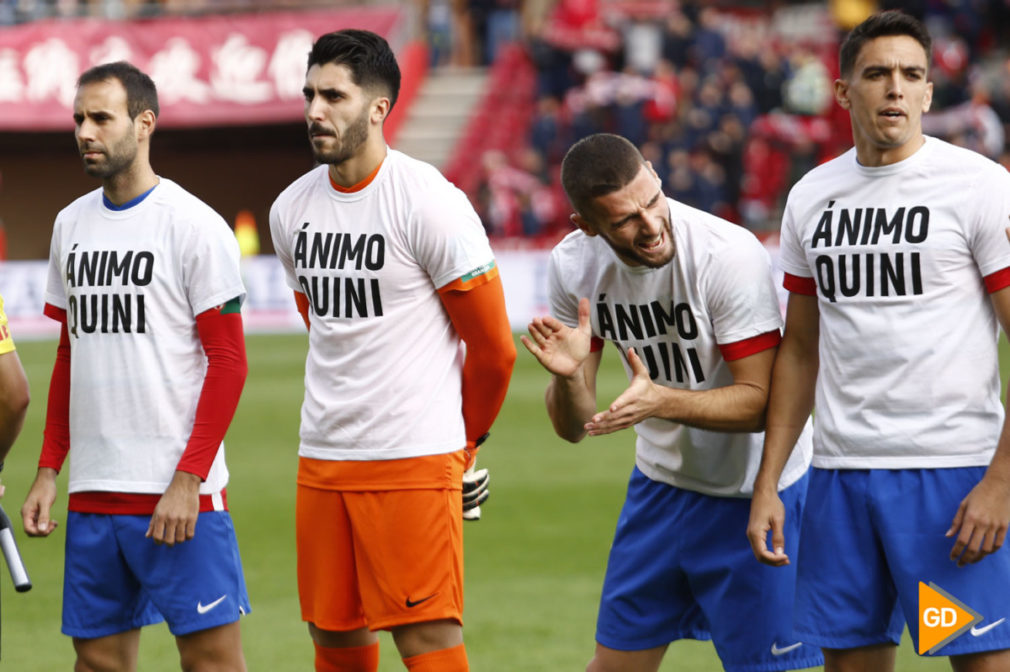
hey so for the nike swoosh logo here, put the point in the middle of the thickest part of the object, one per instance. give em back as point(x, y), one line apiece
point(776, 651)
point(412, 603)
point(204, 608)
point(978, 632)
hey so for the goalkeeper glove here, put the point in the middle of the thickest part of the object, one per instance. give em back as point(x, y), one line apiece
point(475, 492)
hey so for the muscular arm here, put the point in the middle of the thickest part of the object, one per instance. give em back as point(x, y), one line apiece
point(738, 407)
point(571, 400)
point(479, 317)
point(983, 517)
point(567, 354)
point(794, 378)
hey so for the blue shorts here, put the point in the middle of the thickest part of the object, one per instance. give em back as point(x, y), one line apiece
point(681, 568)
point(869, 537)
point(117, 580)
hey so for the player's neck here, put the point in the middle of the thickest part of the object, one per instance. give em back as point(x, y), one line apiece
point(872, 156)
point(361, 165)
point(130, 183)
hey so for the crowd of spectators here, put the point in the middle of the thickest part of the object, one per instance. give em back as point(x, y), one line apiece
point(730, 101)
point(730, 105)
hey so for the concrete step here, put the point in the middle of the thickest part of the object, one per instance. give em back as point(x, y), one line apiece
point(440, 112)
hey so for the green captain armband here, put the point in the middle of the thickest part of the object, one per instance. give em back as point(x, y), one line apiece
point(232, 306)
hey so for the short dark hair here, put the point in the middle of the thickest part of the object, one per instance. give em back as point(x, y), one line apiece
point(141, 94)
point(883, 24)
point(598, 165)
point(367, 55)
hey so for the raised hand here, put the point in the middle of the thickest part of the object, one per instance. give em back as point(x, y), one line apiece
point(559, 348)
point(639, 401)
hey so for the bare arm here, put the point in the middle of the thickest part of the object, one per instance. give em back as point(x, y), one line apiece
point(566, 353)
point(14, 397)
point(791, 401)
point(981, 521)
point(738, 407)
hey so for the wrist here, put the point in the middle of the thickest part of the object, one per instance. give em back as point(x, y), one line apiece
point(187, 480)
point(765, 485)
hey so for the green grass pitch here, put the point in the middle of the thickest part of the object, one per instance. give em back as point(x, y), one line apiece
point(534, 564)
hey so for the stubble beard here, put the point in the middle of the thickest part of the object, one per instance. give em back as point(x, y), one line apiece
point(354, 137)
point(630, 255)
point(118, 158)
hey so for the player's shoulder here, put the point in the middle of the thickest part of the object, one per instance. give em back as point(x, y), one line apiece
point(826, 173)
point(412, 169)
point(184, 206)
point(952, 159)
point(420, 182)
point(298, 189)
point(574, 245)
point(80, 205)
point(707, 233)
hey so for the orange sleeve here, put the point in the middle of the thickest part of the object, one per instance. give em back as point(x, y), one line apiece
point(478, 314)
point(302, 302)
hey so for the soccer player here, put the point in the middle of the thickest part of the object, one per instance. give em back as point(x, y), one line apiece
point(14, 393)
point(391, 271)
point(688, 300)
point(144, 281)
point(897, 268)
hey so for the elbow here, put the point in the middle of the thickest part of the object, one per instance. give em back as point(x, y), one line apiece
point(500, 366)
point(22, 401)
point(508, 358)
point(569, 433)
point(16, 400)
point(756, 423)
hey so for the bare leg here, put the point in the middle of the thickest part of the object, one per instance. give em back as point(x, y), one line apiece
point(213, 650)
point(612, 660)
point(114, 653)
point(876, 658)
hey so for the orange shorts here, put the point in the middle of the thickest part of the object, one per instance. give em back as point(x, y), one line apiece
point(380, 544)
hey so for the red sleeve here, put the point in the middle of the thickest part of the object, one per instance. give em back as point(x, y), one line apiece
point(478, 314)
point(750, 346)
point(224, 344)
point(800, 285)
point(56, 436)
point(998, 280)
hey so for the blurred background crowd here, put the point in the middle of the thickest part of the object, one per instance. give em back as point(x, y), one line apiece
point(730, 101)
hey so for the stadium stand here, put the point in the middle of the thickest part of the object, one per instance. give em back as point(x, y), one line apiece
point(730, 101)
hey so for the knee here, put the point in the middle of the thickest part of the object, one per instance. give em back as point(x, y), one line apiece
point(418, 638)
point(341, 639)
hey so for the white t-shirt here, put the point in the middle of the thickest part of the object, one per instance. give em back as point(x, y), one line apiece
point(132, 282)
point(716, 291)
point(909, 376)
point(384, 370)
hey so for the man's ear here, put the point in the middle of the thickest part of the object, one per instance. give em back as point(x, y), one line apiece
point(380, 109)
point(580, 221)
point(842, 93)
point(145, 123)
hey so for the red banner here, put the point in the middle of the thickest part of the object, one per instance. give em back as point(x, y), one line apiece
point(210, 71)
